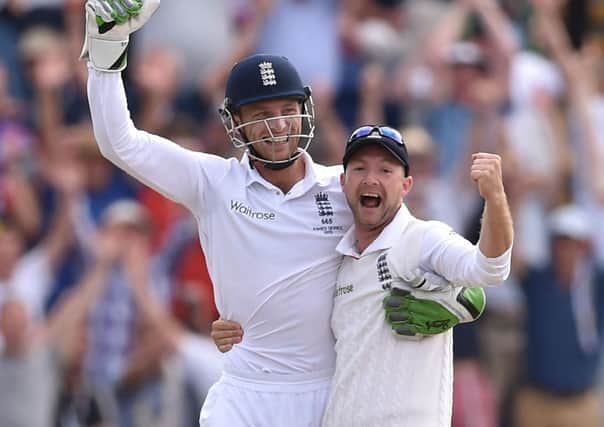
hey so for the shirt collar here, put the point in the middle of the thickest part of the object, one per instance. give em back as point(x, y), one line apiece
point(309, 180)
point(385, 240)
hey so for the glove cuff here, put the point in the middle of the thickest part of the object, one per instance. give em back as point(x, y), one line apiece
point(106, 55)
point(474, 301)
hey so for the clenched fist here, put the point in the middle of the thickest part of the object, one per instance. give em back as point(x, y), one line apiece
point(486, 172)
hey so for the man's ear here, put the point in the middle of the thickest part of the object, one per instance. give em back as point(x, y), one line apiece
point(342, 178)
point(407, 184)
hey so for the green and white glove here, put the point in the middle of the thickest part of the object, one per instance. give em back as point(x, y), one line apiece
point(420, 313)
point(109, 24)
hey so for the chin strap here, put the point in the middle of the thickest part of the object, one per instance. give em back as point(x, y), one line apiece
point(279, 166)
point(270, 165)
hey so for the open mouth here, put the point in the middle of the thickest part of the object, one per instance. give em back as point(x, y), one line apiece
point(370, 200)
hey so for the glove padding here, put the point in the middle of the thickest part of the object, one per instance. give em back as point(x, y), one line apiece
point(420, 313)
point(109, 24)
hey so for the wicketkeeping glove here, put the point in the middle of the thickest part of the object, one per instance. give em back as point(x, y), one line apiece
point(419, 313)
point(109, 24)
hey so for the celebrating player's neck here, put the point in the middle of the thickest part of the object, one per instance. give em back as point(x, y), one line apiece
point(284, 179)
point(364, 236)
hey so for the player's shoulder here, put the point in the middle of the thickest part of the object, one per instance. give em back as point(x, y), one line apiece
point(438, 226)
point(330, 170)
point(436, 230)
point(215, 163)
point(215, 158)
point(429, 225)
point(328, 174)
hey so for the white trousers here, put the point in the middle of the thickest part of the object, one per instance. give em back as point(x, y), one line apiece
point(235, 401)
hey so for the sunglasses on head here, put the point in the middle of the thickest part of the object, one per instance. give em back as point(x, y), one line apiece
point(384, 131)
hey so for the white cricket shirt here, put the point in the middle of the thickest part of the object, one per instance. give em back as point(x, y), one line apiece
point(271, 256)
point(382, 379)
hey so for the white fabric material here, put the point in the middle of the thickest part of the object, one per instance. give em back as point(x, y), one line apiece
point(237, 402)
point(270, 255)
point(382, 379)
point(202, 361)
point(30, 282)
point(530, 73)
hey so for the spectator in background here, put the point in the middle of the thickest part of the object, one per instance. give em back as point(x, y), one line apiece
point(9, 105)
point(582, 70)
point(469, 56)
point(536, 88)
point(389, 31)
point(305, 32)
point(35, 354)
point(35, 349)
point(202, 41)
point(564, 324)
point(18, 198)
point(197, 361)
point(17, 143)
point(387, 37)
point(157, 74)
point(113, 320)
point(28, 274)
point(100, 184)
point(432, 196)
point(153, 370)
point(57, 95)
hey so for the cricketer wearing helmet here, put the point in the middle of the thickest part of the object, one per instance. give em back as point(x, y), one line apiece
point(268, 223)
point(275, 141)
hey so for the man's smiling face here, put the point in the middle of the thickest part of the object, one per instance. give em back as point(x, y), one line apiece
point(274, 122)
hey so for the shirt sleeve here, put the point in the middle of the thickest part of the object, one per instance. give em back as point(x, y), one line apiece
point(449, 255)
point(161, 164)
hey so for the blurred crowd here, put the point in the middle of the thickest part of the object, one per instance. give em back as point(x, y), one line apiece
point(105, 300)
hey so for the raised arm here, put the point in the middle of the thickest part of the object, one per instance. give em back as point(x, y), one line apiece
point(456, 259)
point(155, 161)
point(447, 288)
point(136, 262)
point(74, 307)
point(496, 232)
point(582, 88)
